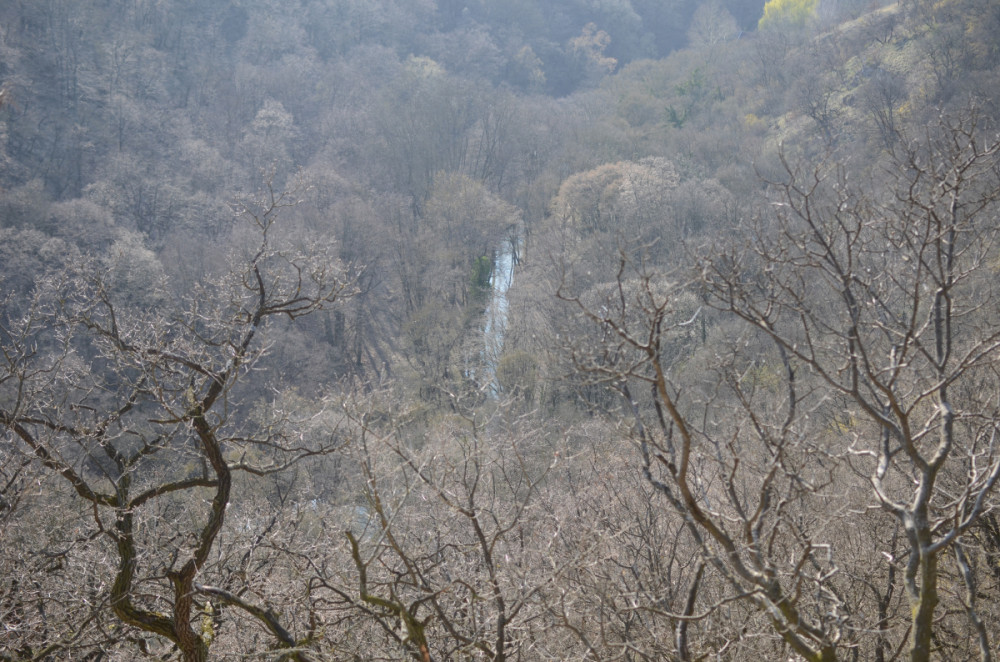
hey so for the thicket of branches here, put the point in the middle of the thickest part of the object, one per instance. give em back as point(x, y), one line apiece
point(743, 404)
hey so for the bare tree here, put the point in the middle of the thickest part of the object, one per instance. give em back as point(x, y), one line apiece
point(727, 459)
point(143, 408)
point(448, 551)
point(908, 344)
point(854, 365)
point(882, 95)
point(633, 565)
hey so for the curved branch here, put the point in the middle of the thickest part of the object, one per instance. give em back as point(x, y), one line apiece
point(265, 616)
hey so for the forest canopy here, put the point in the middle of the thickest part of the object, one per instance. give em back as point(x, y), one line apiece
point(499, 330)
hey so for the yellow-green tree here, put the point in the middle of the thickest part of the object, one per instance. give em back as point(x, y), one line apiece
point(786, 13)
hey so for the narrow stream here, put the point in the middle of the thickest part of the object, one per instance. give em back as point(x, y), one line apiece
point(495, 324)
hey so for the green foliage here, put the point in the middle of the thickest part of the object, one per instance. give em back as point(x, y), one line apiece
point(694, 86)
point(784, 14)
point(479, 290)
point(674, 118)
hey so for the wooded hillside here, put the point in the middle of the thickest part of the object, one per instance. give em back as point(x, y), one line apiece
point(499, 330)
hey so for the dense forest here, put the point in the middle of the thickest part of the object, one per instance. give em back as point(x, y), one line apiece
point(499, 330)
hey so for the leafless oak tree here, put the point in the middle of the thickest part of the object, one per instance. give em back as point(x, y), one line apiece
point(142, 406)
point(855, 361)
